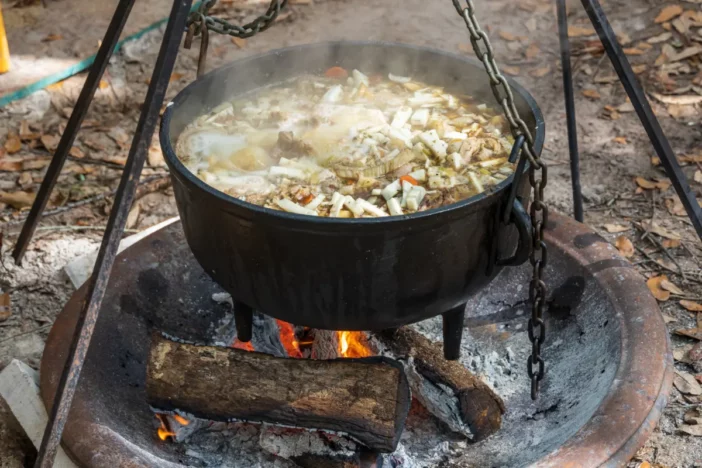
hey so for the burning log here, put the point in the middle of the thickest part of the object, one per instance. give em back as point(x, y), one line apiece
point(446, 389)
point(366, 398)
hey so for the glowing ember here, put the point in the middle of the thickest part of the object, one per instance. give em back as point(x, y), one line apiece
point(181, 420)
point(352, 344)
point(288, 339)
point(248, 346)
point(163, 432)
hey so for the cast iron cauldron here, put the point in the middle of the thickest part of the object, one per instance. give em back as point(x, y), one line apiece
point(346, 274)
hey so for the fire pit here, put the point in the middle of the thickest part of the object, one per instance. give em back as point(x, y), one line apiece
point(609, 377)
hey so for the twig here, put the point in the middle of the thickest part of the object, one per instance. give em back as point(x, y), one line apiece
point(74, 228)
point(26, 333)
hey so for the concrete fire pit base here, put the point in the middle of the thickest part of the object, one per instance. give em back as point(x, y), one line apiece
point(609, 365)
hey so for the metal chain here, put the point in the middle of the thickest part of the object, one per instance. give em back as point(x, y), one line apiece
point(538, 176)
point(220, 26)
point(200, 23)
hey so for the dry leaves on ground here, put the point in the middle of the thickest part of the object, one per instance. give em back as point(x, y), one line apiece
point(652, 184)
point(12, 144)
point(625, 247)
point(239, 42)
point(654, 285)
point(668, 13)
point(686, 383)
point(5, 311)
point(691, 306)
point(17, 200)
point(579, 31)
point(616, 228)
point(591, 93)
point(620, 139)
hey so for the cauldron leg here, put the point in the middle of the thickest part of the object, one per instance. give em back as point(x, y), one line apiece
point(453, 332)
point(243, 319)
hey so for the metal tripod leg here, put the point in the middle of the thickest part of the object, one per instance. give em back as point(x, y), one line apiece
point(570, 110)
point(109, 42)
point(113, 232)
point(644, 111)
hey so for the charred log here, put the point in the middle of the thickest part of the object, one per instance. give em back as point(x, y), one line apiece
point(366, 398)
point(446, 389)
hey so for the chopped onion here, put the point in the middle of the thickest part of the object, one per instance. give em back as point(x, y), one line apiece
point(293, 173)
point(399, 79)
point(376, 192)
point(337, 203)
point(492, 162)
point(292, 207)
point(350, 203)
point(419, 176)
point(420, 117)
point(476, 183)
point(456, 160)
point(314, 204)
point(334, 94)
point(394, 207)
point(370, 208)
point(359, 78)
point(401, 116)
point(434, 143)
point(455, 136)
point(415, 197)
point(391, 190)
point(406, 187)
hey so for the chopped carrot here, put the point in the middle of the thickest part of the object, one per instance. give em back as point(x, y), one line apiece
point(307, 199)
point(410, 179)
point(336, 72)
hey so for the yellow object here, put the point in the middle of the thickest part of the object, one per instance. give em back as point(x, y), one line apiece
point(4, 49)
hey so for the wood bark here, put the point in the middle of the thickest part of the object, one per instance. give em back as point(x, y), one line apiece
point(445, 388)
point(366, 398)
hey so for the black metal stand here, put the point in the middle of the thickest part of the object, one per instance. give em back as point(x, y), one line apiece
point(118, 216)
point(453, 320)
point(570, 110)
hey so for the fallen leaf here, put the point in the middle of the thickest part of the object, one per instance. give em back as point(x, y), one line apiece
point(155, 156)
point(52, 37)
point(633, 51)
point(50, 142)
point(513, 71)
point(669, 286)
point(681, 24)
point(671, 243)
point(5, 311)
point(507, 36)
point(12, 144)
point(668, 13)
point(698, 176)
point(651, 185)
point(659, 38)
point(532, 51)
point(17, 200)
point(685, 53)
point(680, 100)
point(606, 79)
point(239, 42)
point(104, 84)
point(540, 72)
point(691, 429)
point(625, 247)
point(175, 76)
point(682, 353)
point(591, 93)
point(695, 333)
point(133, 216)
point(578, 31)
point(10, 166)
point(644, 464)
point(659, 230)
point(620, 139)
point(686, 383)
point(691, 305)
point(33, 164)
point(76, 152)
point(675, 206)
point(638, 69)
point(654, 285)
point(25, 180)
point(614, 228)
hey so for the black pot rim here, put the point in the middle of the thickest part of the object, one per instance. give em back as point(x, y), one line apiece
point(178, 168)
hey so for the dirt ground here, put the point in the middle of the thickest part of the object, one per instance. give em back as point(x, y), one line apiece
point(642, 216)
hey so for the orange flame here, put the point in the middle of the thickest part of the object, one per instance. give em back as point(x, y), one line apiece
point(353, 344)
point(181, 420)
point(163, 432)
point(288, 339)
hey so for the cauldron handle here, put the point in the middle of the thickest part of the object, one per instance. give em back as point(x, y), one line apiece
point(520, 218)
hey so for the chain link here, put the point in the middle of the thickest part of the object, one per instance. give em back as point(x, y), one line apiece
point(538, 177)
point(220, 26)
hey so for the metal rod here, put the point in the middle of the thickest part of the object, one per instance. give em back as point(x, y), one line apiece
point(109, 42)
point(643, 110)
point(113, 233)
point(453, 332)
point(570, 110)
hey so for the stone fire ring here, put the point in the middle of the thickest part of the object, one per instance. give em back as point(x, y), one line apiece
point(110, 423)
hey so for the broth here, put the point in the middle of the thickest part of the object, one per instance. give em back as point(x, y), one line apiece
point(349, 145)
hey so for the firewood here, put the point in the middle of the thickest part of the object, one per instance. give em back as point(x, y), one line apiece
point(446, 389)
point(366, 398)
